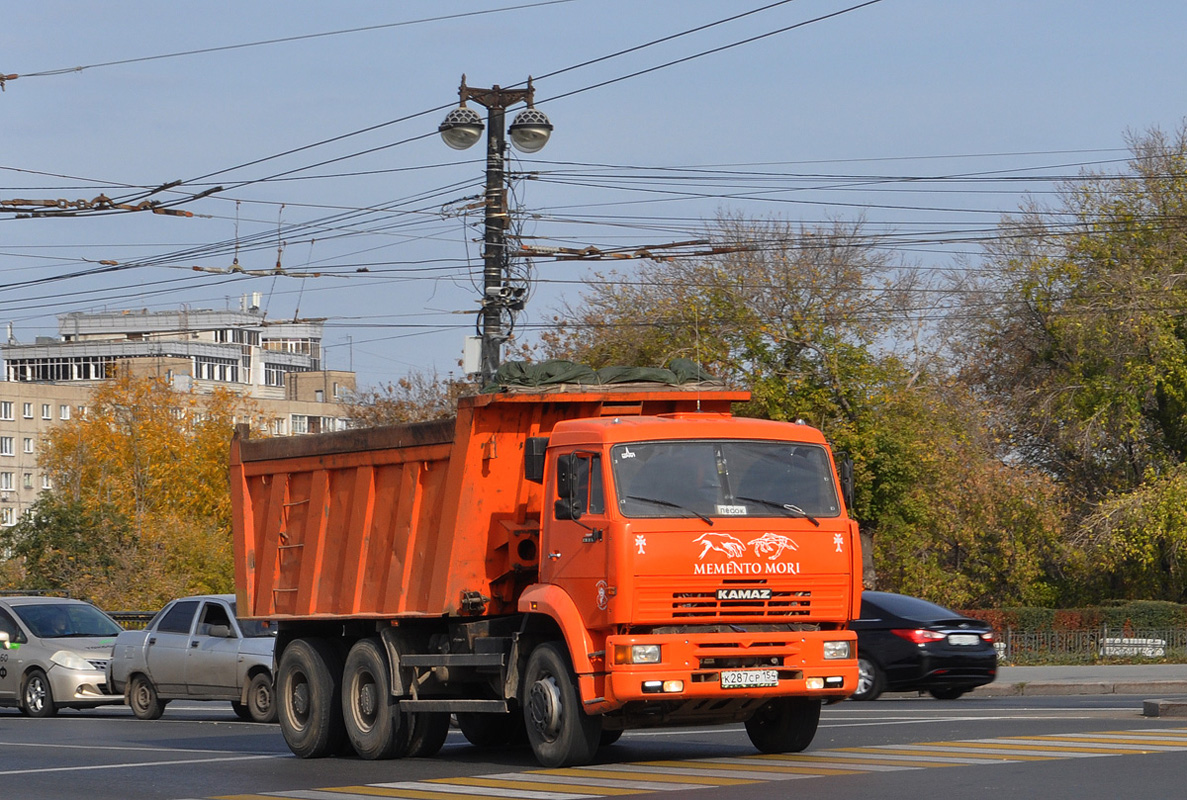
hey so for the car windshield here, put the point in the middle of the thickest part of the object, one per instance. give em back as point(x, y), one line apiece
point(51, 620)
point(255, 628)
point(724, 478)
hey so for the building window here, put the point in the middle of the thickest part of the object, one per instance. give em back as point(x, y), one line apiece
point(300, 424)
point(5, 445)
point(27, 483)
point(28, 442)
point(45, 482)
point(63, 412)
point(45, 411)
point(5, 409)
point(5, 481)
point(28, 411)
point(7, 516)
point(319, 395)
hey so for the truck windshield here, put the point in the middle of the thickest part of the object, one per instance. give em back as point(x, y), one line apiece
point(724, 479)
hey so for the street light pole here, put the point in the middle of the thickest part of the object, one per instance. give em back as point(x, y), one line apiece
point(529, 132)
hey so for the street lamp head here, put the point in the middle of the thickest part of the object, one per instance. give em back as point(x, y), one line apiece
point(462, 128)
point(530, 130)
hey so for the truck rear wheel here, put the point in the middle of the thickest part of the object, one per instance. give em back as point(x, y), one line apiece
point(307, 693)
point(367, 709)
point(493, 730)
point(785, 724)
point(428, 732)
point(560, 731)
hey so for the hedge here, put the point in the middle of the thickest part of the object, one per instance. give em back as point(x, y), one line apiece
point(1121, 616)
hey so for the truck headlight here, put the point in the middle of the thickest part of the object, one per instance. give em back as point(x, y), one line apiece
point(833, 650)
point(636, 654)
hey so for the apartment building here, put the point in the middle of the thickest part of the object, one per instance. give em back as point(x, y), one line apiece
point(277, 365)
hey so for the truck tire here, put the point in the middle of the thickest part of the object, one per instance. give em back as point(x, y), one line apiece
point(37, 697)
point(261, 698)
point(375, 731)
point(428, 732)
point(143, 698)
point(784, 725)
point(493, 730)
point(560, 732)
point(870, 680)
point(308, 690)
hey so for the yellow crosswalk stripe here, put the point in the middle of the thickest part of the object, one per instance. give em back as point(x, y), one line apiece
point(510, 783)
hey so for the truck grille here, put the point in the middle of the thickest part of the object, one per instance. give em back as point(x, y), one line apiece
point(699, 602)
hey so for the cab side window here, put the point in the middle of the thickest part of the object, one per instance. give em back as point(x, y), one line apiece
point(580, 483)
point(180, 618)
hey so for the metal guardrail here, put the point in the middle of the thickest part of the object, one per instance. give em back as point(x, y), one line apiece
point(1088, 646)
point(132, 620)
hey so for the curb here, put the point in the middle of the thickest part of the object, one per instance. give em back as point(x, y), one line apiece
point(1051, 688)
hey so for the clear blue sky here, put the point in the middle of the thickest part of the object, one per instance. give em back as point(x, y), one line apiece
point(820, 115)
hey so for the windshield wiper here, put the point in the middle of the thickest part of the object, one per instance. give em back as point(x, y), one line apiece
point(669, 504)
point(792, 510)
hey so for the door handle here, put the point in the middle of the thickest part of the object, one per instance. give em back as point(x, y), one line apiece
point(554, 556)
point(194, 643)
point(152, 640)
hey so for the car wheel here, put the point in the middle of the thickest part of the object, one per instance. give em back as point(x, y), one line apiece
point(241, 710)
point(947, 693)
point(144, 700)
point(870, 680)
point(37, 698)
point(493, 730)
point(784, 725)
point(367, 709)
point(561, 733)
point(308, 689)
point(261, 698)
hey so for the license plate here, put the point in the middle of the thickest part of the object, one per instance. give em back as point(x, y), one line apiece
point(748, 678)
point(963, 638)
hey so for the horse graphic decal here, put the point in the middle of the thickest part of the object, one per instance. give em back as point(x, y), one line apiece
point(722, 543)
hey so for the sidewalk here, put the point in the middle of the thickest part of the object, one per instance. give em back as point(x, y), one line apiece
point(1147, 680)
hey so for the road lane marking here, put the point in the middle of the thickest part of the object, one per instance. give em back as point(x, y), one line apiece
point(133, 765)
point(643, 777)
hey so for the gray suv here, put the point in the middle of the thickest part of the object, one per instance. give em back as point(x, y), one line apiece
point(54, 654)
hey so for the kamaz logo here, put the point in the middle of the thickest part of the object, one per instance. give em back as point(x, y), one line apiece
point(743, 594)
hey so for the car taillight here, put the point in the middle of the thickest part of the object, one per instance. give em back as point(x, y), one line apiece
point(919, 635)
point(988, 637)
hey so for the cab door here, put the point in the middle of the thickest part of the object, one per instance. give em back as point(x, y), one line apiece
point(577, 550)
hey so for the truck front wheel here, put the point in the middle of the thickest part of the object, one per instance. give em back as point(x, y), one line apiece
point(560, 731)
point(307, 694)
point(374, 730)
point(785, 724)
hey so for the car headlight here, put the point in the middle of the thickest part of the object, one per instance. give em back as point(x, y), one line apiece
point(834, 650)
point(68, 660)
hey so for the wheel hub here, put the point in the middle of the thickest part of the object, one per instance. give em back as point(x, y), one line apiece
point(544, 705)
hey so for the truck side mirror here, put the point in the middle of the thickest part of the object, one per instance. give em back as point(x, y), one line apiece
point(567, 504)
point(533, 458)
point(847, 484)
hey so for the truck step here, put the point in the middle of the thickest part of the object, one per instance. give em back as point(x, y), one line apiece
point(454, 706)
point(453, 660)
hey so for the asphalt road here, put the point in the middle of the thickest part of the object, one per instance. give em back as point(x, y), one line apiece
point(1087, 746)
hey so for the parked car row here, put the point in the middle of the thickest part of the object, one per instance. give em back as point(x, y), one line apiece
point(59, 653)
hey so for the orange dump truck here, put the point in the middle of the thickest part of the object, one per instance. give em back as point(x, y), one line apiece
point(551, 566)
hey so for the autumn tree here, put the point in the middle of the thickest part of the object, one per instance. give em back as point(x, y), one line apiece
point(1075, 333)
point(817, 324)
point(140, 499)
point(417, 397)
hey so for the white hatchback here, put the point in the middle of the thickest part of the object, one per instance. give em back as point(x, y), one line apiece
point(54, 654)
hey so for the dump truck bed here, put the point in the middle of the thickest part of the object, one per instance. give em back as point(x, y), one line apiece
point(417, 520)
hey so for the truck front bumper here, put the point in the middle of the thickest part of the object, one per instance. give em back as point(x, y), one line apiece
point(726, 666)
